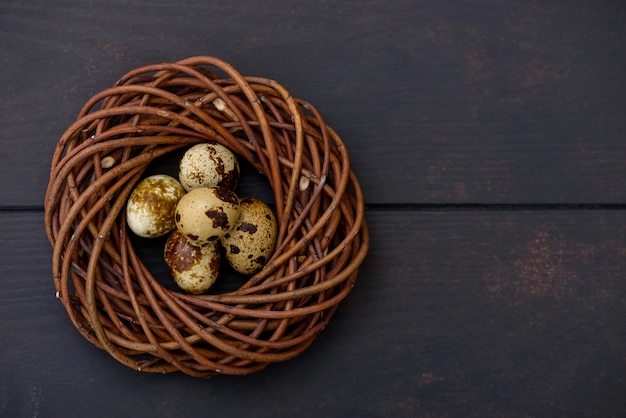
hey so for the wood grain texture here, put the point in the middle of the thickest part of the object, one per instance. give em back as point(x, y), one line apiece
point(438, 102)
point(460, 312)
point(454, 314)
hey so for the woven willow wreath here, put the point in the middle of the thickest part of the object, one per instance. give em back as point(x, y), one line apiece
point(111, 296)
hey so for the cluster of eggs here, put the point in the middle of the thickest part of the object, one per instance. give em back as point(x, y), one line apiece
point(204, 218)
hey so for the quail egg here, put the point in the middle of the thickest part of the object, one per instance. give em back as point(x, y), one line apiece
point(194, 266)
point(151, 206)
point(207, 213)
point(251, 242)
point(208, 164)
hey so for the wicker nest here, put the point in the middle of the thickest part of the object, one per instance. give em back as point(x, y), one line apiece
point(111, 296)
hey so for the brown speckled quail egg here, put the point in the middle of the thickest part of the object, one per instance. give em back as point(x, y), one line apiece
point(207, 213)
point(151, 205)
point(194, 266)
point(208, 164)
point(250, 244)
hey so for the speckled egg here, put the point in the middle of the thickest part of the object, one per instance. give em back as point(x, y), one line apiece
point(208, 165)
point(207, 213)
point(194, 266)
point(250, 244)
point(151, 206)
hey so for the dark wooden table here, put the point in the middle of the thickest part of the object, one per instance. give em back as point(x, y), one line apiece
point(490, 141)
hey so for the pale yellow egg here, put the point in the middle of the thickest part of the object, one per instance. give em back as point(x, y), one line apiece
point(208, 165)
point(194, 266)
point(151, 206)
point(207, 213)
point(251, 242)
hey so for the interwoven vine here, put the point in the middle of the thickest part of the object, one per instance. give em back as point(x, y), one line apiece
point(111, 296)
